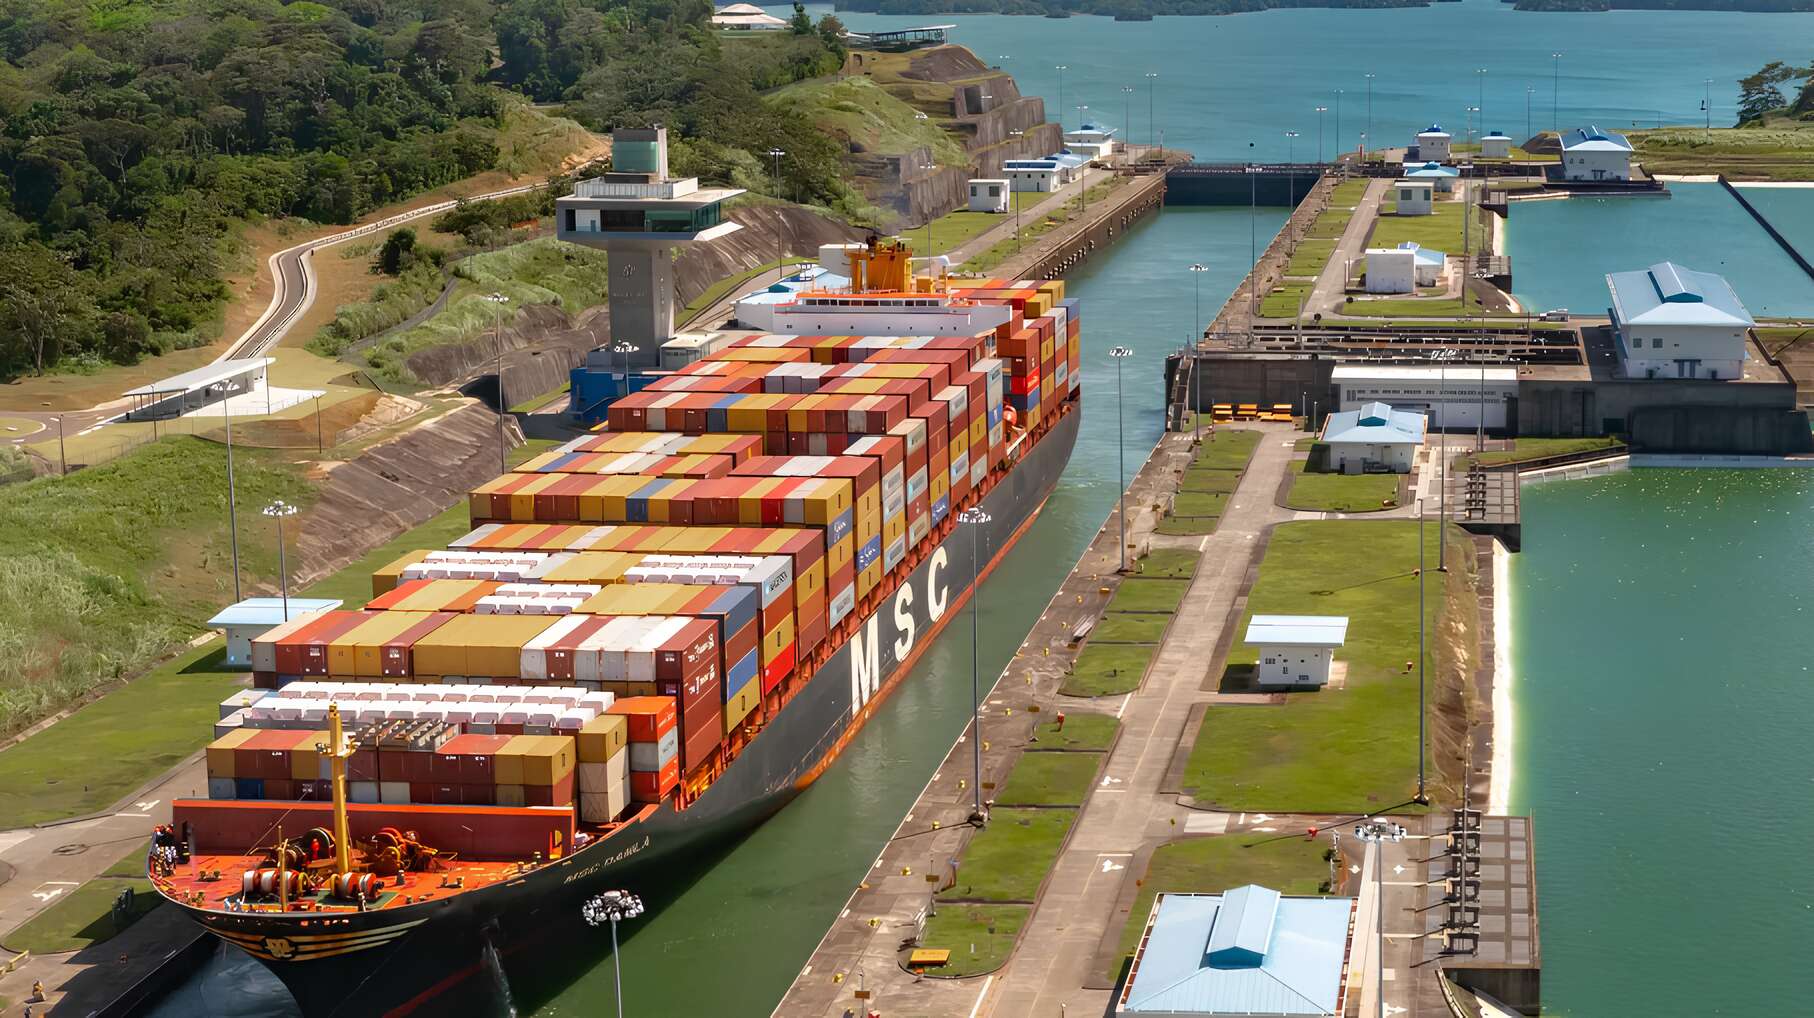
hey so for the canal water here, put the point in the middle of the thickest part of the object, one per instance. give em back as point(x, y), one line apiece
point(1789, 209)
point(754, 919)
point(1562, 250)
point(1664, 636)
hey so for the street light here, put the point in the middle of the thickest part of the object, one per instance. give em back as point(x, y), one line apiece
point(774, 161)
point(1528, 91)
point(1083, 173)
point(1555, 93)
point(280, 511)
point(1707, 105)
point(1421, 734)
point(1151, 78)
point(1480, 94)
point(1369, 76)
point(1320, 110)
point(1291, 178)
point(1127, 108)
point(497, 301)
point(1121, 353)
point(613, 907)
point(232, 499)
point(1471, 110)
point(1196, 405)
point(1338, 123)
point(1061, 69)
point(625, 348)
point(975, 518)
point(1015, 201)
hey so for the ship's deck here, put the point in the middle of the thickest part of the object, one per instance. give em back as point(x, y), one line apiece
point(222, 894)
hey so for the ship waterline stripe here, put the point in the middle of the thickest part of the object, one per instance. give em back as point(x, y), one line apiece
point(300, 938)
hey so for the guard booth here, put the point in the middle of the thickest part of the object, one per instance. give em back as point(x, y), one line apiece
point(192, 390)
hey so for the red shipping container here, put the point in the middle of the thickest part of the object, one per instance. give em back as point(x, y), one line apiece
point(558, 794)
point(478, 795)
point(649, 717)
point(705, 730)
point(778, 667)
point(280, 788)
point(363, 766)
point(395, 658)
point(289, 650)
point(654, 786)
point(422, 791)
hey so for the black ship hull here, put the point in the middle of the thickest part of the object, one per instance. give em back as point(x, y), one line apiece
point(434, 957)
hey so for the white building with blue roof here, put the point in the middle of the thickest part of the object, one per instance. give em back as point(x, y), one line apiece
point(1495, 145)
point(1048, 173)
point(1295, 651)
point(1434, 143)
point(1374, 438)
point(1589, 153)
point(1404, 268)
point(1676, 322)
point(1440, 176)
point(1093, 141)
point(1246, 951)
point(247, 620)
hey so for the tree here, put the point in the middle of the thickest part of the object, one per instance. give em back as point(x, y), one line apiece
point(831, 32)
point(398, 252)
point(1758, 94)
point(801, 22)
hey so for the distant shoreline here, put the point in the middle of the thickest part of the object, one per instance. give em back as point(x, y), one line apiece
point(1225, 8)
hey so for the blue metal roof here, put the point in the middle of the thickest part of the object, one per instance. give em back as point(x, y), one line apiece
point(1495, 134)
point(1433, 129)
point(268, 611)
point(1668, 294)
point(812, 277)
point(1432, 170)
point(1423, 255)
point(1288, 955)
point(1592, 139)
point(1374, 424)
point(1297, 630)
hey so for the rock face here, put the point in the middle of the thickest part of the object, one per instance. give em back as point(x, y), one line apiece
point(978, 104)
point(542, 342)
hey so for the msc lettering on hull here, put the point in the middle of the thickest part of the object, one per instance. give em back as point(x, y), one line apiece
point(910, 613)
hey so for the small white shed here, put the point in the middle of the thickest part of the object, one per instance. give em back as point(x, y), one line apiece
point(1494, 145)
point(247, 620)
point(1296, 650)
point(989, 194)
point(1434, 143)
point(1414, 197)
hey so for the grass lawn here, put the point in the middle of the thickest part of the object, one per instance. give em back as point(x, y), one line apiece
point(1348, 192)
point(1083, 730)
point(1285, 300)
point(1130, 627)
point(1168, 564)
point(1781, 149)
point(1431, 307)
point(1227, 449)
point(1007, 860)
point(1109, 669)
point(1330, 223)
point(1332, 750)
point(1049, 779)
point(1289, 865)
point(1199, 503)
point(1537, 448)
point(1311, 254)
point(955, 229)
point(530, 406)
point(1340, 493)
point(1778, 338)
point(722, 288)
point(89, 760)
point(1139, 594)
point(979, 937)
point(1217, 481)
point(1187, 526)
point(84, 916)
point(1439, 231)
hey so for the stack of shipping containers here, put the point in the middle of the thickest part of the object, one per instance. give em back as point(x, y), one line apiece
point(687, 564)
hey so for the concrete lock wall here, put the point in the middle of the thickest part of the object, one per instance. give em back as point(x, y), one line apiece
point(1668, 416)
point(1262, 380)
point(1275, 186)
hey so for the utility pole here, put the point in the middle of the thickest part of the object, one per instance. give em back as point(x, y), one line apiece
point(318, 442)
point(63, 454)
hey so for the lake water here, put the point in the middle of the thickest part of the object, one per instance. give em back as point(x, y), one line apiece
point(1664, 634)
point(1790, 210)
point(1562, 250)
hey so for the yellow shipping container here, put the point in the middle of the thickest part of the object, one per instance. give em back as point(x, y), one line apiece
point(869, 579)
point(220, 752)
point(386, 578)
point(369, 640)
point(739, 707)
point(839, 554)
point(507, 762)
point(488, 646)
point(305, 758)
point(778, 638)
point(522, 500)
point(602, 738)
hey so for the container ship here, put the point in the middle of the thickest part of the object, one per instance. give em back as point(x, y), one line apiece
point(653, 636)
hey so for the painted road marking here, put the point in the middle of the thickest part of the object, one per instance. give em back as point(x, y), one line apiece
point(1123, 708)
point(1266, 829)
point(145, 807)
point(1110, 866)
point(1260, 818)
point(1398, 869)
point(1108, 780)
point(978, 1006)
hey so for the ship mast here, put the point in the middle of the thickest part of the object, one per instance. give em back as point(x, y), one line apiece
point(338, 751)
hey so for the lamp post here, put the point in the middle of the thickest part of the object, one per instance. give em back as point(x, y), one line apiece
point(1707, 105)
point(280, 511)
point(1421, 724)
point(1061, 69)
point(1320, 110)
point(613, 907)
point(497, 301)
point(1083, 172)
point(1480, 95)
point(1015, 201)
point(1338, 122)
point(975, 518)
point(232, 499)
point(1127, 110)
point(1528, 90)
point(1370, 76)
point(1121, 353)
point(1291, 180)
point(1152, 78)
point(1555, 93)
point(1253, 239)
point(774, 162)
point(1196, 404)
point(1471, 110)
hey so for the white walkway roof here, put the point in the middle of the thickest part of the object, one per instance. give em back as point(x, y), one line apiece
point(204, 376)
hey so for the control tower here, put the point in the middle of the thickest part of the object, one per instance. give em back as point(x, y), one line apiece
point(639, 214)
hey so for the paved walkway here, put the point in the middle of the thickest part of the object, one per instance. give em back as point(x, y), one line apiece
point(1057, 957)
point(1028, 216)
point(1331, 286)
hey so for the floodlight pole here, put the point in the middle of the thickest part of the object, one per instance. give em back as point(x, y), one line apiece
point(1121, 353)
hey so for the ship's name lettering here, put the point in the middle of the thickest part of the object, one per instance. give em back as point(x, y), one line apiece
point(866, 645)
point(595, 867)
